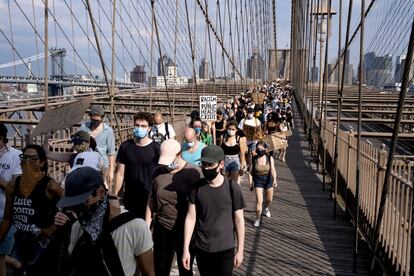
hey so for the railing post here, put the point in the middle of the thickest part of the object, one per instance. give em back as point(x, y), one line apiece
point(382, 162)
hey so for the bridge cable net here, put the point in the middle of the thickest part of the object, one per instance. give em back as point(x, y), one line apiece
point(350, 110)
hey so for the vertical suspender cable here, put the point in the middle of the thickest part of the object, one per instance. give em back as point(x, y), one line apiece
point(222, 50)
point(46, 53)
point(153, 79)
point(325, 94)
point(192, 51)
point(338, 114)
point(209, 42)
point(112, 87)
point(275, 35)
point(175, 47)
point(344, 53)
point(393, 146)
point(37, 44)
point(358, 168)
point(310, 49)
point(313, 74)
point(98, 46)
point(161, 59)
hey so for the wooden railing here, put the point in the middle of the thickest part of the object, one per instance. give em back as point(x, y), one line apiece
point(395, 233)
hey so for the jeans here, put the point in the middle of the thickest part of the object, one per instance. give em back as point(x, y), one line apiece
point(215, 264)
point(166, 243)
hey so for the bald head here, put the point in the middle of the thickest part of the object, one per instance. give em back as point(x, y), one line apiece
point(189, 134)
point(158, 118)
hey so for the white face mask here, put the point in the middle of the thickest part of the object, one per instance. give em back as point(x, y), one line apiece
point(231, 132)
point(191, 144)
point(250, 116)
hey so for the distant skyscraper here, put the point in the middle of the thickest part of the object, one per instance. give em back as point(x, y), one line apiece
point(138, 74)
point(332, 76)
point(378, 70)
point(315, 73)
point(203, 70)
point(399, 68)
point(349, 74)
point(255, 66)
point(166, 59)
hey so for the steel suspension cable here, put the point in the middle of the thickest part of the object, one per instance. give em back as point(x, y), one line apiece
point(161, 58)
point(393, 146)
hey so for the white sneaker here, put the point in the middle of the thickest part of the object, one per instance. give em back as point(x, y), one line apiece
point(267, 212)
point(256, 223)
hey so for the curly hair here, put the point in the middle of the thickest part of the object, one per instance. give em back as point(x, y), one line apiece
point(41, 152)
point(144, 116)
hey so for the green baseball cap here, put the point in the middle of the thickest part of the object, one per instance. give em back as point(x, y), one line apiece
point(212, 154)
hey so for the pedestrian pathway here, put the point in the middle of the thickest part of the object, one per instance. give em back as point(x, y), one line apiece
point(300, 238)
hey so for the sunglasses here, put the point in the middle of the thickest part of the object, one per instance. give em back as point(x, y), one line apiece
point(25, 157)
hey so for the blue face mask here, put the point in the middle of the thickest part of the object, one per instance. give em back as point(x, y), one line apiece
point(197, 129)
point(140, 132)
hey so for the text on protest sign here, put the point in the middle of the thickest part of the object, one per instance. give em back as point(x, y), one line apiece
point(208, 108)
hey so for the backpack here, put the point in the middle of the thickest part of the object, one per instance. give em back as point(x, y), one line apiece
point(100, 257)
point(158, 137)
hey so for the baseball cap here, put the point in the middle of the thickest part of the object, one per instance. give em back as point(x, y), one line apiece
point(168, 151)
point(87, 159)
point(3, 131)
point(79, 184)
point(250, 110)
point(212, 154)
point(80, 136)
point(97, 110)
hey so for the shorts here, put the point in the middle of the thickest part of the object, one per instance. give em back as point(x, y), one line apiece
point(231, 163)
point(8, 242)
point(263, 181)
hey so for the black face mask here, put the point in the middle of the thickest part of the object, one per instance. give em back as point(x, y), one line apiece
point(210, 174)
point(94, 124)
point(261, 152)
point(84, 213)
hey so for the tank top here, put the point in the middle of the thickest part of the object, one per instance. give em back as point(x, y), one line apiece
point(230, 150)
point(34, 212)
point(261, 170)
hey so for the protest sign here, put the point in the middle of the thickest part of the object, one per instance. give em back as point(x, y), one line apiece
point(208, 108)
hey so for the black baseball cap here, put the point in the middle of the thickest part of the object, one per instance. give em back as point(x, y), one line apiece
point(212, 154)
point(80, 136)
point(3, 131)
point(79, 184)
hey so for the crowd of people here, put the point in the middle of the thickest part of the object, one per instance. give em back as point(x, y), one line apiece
point(129, 211)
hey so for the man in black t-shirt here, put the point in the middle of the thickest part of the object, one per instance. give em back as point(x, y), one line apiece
point(136, 162)
point(215, 212)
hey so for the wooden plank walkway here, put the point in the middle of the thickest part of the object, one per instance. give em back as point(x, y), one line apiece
point(300, 238)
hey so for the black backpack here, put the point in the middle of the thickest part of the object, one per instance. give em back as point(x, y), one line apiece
point(100, 257)
point(158, 137)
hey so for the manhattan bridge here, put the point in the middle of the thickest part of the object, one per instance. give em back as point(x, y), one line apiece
point(344, 204)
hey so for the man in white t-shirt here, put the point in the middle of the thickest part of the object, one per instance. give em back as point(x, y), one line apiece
point(103, 238)
point(9, 170)
point(161, 130)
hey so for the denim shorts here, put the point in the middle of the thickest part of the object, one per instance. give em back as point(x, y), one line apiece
point(231, 163)
point(263, 181)
point(7, 244)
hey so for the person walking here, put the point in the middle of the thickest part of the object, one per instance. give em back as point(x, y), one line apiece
point(234, 147)
point(10, 169)
point(104, 137)
point(104, 240)
point(136, 162)
point(262, 178)
point(191, 148)
point(31, 206)
point(172, 181)
point(215, 212)
point(161, 130)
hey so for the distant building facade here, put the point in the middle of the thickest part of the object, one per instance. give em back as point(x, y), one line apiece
point(203, 70)
point(171, 77)
point(255, 66)
point(138, 74)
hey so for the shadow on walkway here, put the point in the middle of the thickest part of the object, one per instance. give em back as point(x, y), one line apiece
point(300, 238)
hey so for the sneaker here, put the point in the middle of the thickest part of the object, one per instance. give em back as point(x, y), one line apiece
point(267, 212)
point(256, 223)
